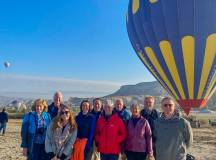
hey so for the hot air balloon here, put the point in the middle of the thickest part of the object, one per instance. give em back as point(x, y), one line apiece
point(176, 41)
point(7, 64)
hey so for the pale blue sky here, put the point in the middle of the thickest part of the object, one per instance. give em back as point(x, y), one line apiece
point(74, 39)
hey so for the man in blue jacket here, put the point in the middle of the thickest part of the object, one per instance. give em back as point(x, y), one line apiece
point(122, 111)
point(3, 121)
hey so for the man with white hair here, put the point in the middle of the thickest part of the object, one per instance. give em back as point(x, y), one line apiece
point(110, 133)
point(54, 107)
point(122, 111)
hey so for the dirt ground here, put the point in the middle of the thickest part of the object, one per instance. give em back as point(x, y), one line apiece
point(203, 148)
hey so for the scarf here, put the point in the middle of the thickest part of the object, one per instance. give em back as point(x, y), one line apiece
point(60, 138)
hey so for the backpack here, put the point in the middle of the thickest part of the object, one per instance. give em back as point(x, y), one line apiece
point(190, 157)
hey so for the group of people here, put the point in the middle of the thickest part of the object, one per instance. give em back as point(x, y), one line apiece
point(106, 131)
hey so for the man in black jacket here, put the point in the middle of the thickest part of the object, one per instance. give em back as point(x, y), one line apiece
point(3, 121)
point(151, 114)
point(57, 103)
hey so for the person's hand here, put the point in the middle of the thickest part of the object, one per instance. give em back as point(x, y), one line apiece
point(25, 150)
point(150, 157)
point(55, 158)
point(123, 156)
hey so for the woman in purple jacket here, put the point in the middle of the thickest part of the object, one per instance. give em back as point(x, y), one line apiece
point(139, 138)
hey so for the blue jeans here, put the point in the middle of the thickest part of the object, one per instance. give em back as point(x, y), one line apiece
point(3, 126)
point(109, 156)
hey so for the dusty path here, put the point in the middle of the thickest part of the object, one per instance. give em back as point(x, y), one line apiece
point(10, 143)
point(204, 146)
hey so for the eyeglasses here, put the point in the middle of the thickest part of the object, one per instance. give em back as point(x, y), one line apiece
point(65, 112)
point(168, 105)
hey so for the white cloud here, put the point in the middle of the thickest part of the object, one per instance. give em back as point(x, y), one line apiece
point(34, 87)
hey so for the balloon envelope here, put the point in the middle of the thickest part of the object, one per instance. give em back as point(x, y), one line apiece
point(7, 64)
point(176, 41)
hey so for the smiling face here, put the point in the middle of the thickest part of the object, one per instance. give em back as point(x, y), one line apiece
point(65, 114)
point(85, 107)
point(149, 103)
point(57, 99)
point(168, 107)
point(97, 105)
point(39, 107)
point(135, 110)
point(108, 109)
point(119, 104)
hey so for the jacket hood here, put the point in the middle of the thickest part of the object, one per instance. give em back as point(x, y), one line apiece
point(176, 115)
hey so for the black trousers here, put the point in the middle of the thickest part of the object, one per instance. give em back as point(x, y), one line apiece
point(38, 153)
point(109, 156)
point(135, 155)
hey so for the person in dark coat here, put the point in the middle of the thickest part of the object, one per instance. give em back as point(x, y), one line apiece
point(97, 111)
point(86, 123)
point(150, 114)
point(56, 105)
point(3, 121)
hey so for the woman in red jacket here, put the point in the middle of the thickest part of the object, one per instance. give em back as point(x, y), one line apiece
point(110, 133)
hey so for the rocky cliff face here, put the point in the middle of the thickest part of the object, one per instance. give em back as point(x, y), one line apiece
point(144, 88)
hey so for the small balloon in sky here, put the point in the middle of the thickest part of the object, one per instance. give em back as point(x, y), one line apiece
point(7, 64)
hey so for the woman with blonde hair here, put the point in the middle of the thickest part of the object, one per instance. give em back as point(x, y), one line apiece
point(61, 135)
point(33, 131)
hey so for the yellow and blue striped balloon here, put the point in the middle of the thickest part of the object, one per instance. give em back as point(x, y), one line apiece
point(176, 41)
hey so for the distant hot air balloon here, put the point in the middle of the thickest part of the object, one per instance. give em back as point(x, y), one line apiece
point(7, 64)
point(176, 41)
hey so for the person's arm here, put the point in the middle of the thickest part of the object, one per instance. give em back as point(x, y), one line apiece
point(6, 119)
point(68, 146)
point(148, 138)
point(91, 135)
point(48, 139)
point(122, 131)
point(97, 133)
point(188, 134)
point(24, 131)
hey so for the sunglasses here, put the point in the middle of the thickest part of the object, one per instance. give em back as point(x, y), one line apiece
point(168, 105)
point(65, 112)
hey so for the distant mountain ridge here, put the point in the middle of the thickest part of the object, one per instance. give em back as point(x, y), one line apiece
point(129, 93)
point(144, 88)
